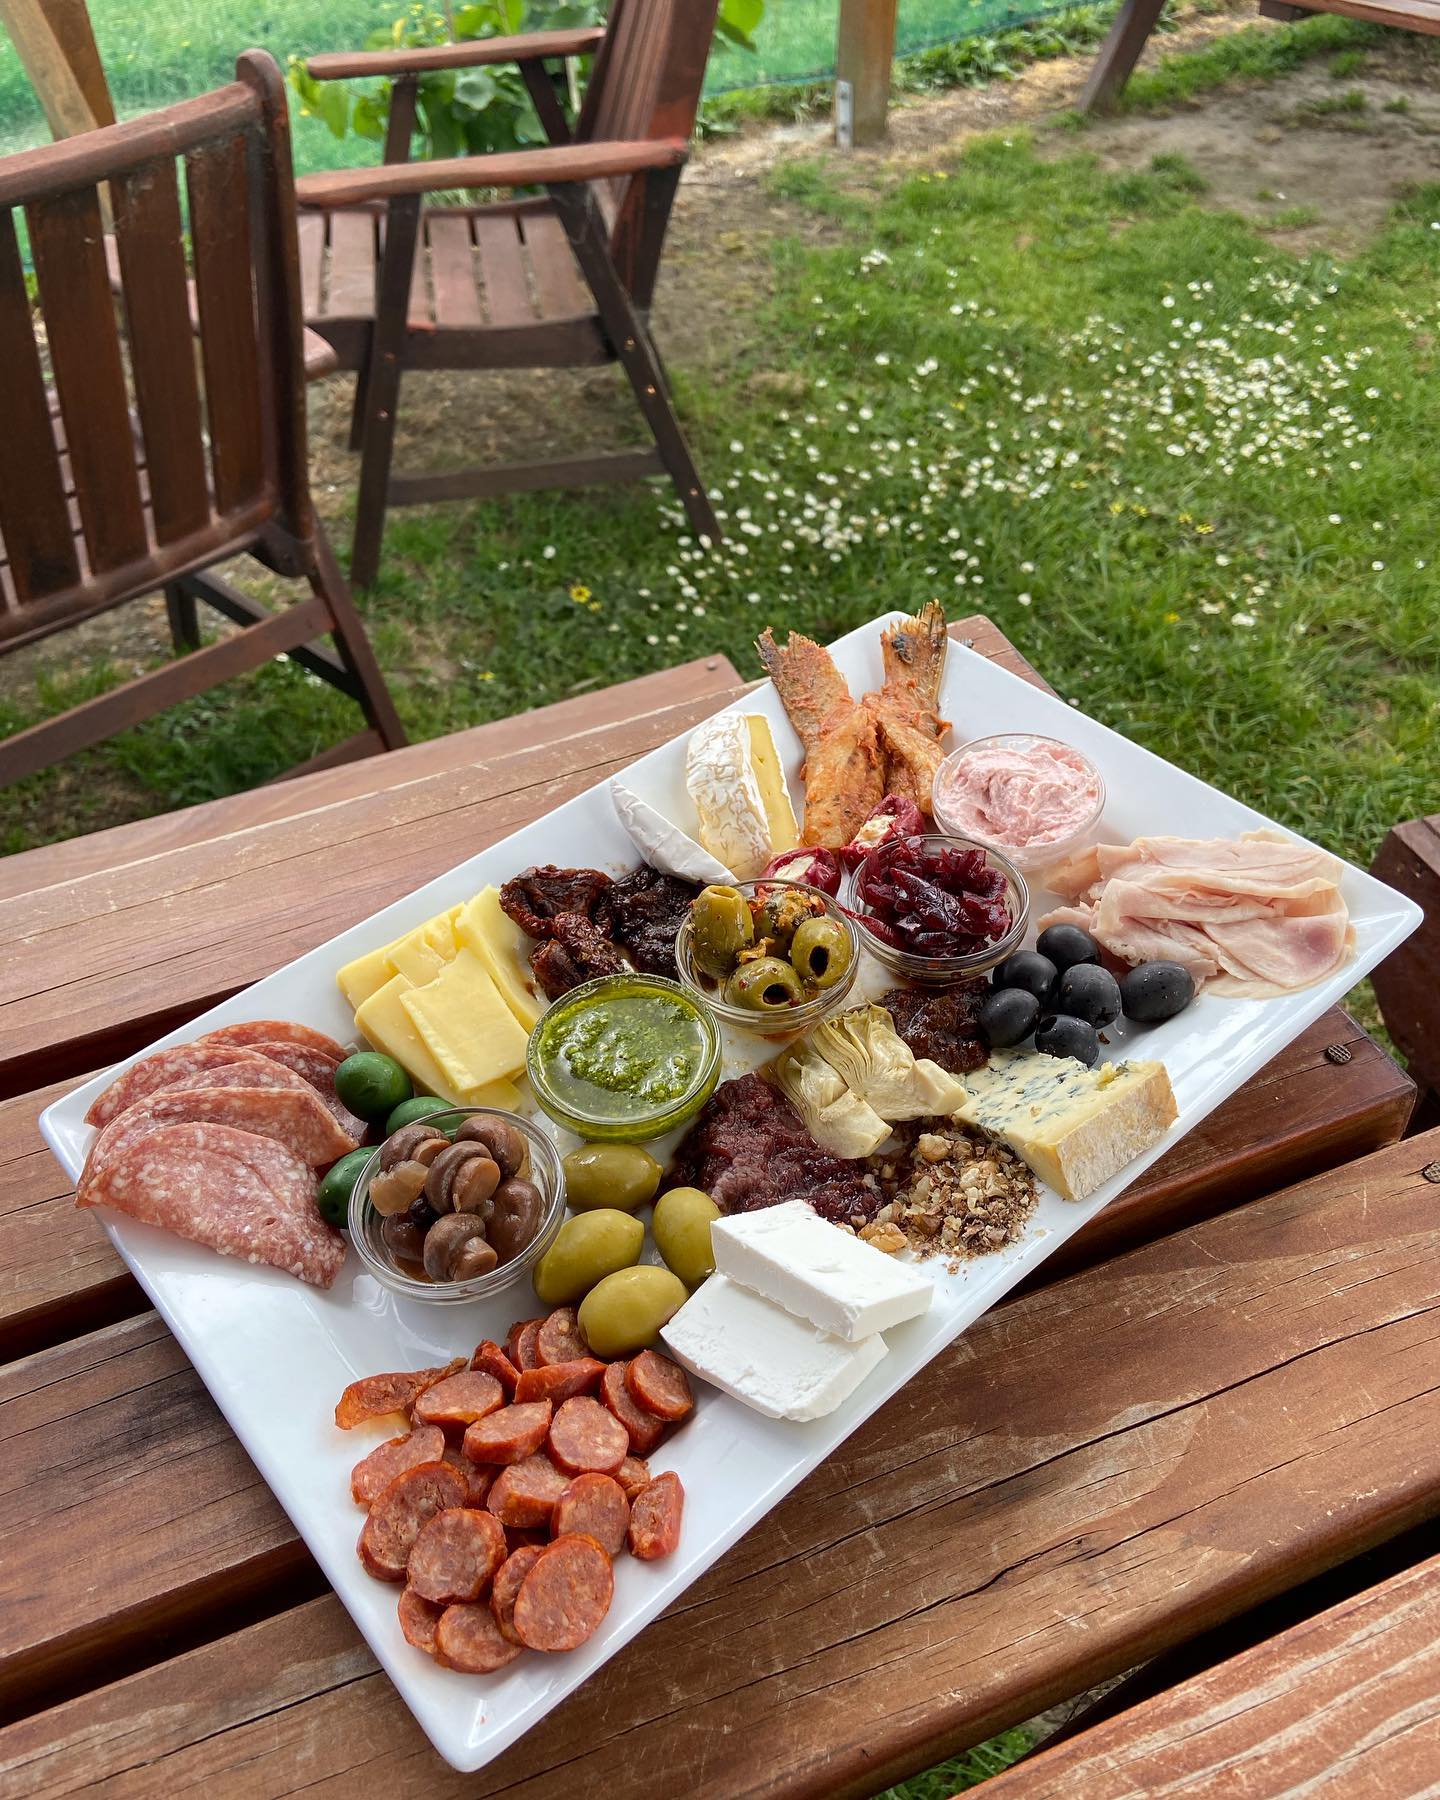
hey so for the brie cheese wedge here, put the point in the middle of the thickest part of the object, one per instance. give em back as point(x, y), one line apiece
point(734, 777)
point(663, 845)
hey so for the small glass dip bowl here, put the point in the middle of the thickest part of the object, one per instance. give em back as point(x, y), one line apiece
point(780, 1022)
point(542, 1166)
point(1033, 856)
point(939, 971)
point(625, 1058)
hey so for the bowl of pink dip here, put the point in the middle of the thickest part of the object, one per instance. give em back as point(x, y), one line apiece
point(1033, 797)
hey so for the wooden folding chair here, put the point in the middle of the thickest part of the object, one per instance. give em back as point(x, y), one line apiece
point(561, 280)
point(123, 468)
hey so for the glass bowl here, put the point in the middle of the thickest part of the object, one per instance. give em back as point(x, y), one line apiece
point(1027, 857)
point(939, 971)
point(789, 1021)
point(597, 1111)
point(545, 1170)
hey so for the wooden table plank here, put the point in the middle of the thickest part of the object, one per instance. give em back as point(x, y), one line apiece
point(1091, 1473)
point(1348, 1701)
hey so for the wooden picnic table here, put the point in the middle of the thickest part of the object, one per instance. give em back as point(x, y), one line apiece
point(1226, 1385)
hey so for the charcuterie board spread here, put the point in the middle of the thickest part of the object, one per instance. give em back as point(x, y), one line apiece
point(691, 1149)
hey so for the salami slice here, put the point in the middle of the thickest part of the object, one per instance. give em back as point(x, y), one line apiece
point(242, 1195)
point(293, 1116)
point(566, 1595)
point(274, 1031)
point(158, 1070)
point(395, 1520)
point(493, 1360)
point(459, 1400)
point(526, 1354)
point(644, 1429)
point(373, 1473)
point(317, 1069)
point(557, 1382)
point(507, 1585)
point(255, 1071)
point(655, 1517)
point(375, 1395)
point(510, 1434)
point(660, 1386)
point(468, 1639)
point(418, 1619)
point(583, 1437)
point(525, 1493)
point(479, 1477)
point(633, 1476)
point(455, 1555)
point(559, 1339)
point(596, 1507)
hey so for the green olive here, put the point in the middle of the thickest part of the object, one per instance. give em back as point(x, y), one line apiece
point(766, 985)
point(821, 952)
point(681, 1224)
point(721, 927)
point(621, 1314)
point(587, 1248)
point(620, 1175)
point(781, 913)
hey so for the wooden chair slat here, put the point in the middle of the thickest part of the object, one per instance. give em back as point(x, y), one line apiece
point(39, 544)
point(217, 177)
point(559, 285)
point(149, 238)
point(350, 291)
point(502, 271)
point(1072, 1484)
point(452, 270)
point(311, 230)
point(67, 239)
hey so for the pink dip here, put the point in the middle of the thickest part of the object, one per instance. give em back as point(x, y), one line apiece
point(1016, 791)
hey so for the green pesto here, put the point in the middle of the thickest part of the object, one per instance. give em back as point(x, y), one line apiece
point(622, 1056)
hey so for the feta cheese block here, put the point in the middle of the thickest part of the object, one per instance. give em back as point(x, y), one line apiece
point(764, 1356)
point(790, 1255)
point(733, 775)
point(663, 845)
point(1075, 1127)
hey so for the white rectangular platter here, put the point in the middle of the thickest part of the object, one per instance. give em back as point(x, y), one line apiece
point(276, 1354)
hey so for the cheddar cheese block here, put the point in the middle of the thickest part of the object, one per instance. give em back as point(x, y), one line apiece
point(503, 947)
point(386, 1024)
point(1075, 1127)
point(465, 1025)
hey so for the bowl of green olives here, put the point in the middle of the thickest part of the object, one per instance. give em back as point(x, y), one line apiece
point(770, 957)
point(459, 1205)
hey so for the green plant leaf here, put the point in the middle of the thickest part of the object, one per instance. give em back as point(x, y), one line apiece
point(737, 21)
point(371, 114)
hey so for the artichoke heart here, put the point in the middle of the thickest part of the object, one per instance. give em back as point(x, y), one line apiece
point(839, 1121)
point(864, 1049)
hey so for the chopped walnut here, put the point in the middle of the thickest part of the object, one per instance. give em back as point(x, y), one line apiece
point(887, 1237)
point(949, 1191)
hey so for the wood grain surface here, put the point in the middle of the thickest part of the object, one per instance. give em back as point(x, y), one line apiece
point(1346, 1703)
point(1092, 1472)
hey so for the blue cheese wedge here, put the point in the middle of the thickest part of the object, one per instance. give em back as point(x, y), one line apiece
point(764, 1356)
point(1075, 1127)
point(663, 845)
point(841, 1284)
point(734, 778)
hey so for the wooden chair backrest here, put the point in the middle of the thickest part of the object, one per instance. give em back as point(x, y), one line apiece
point(81, 527)
point(646, 84)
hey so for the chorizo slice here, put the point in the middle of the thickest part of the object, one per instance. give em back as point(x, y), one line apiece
point(559, 1339)
point(659, 1386)
point(455, 1555)
point(373, 1473)
point(468, 1639)
point(557, 1382)
point(509, 1435)
point(584, 1437)
point(395, 1520)
point(644, 1428)
point(596, 1507)
point(493, 1360)
point(565, 1596)
point(520, 1537)
point(526, 1354)
point(655, 1517)
point(633, 1476)
point(418, 1619)
point(525, 1493)
point(459, 1400)
point(507, 1585)
point(478, 1476)
point(375, 1395)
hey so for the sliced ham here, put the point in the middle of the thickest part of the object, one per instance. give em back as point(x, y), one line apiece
point(251, 1032)
point(230, 1190)
point(158, 1070)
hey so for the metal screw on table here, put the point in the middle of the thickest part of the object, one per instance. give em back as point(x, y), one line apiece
point(1338, 1053)
point(1431, 1172)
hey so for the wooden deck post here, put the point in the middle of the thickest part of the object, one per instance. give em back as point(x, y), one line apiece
point(864, 54)
point(56, 46)
point(1111, 69)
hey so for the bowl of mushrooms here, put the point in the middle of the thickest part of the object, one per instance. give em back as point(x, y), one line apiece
point(458, 1205)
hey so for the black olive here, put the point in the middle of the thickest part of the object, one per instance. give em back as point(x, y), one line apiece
point(1155, 991)
point(1007, 1016)
point(1085, 992)
point(1027, 970)
point(1067, 945)
point(1059, 1035)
